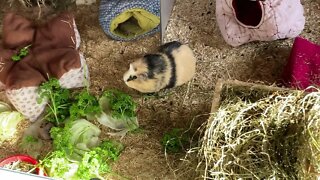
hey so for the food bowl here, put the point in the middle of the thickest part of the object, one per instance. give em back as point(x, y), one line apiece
point(23, 158)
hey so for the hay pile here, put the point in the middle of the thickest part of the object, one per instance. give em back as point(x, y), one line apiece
point(260, 134)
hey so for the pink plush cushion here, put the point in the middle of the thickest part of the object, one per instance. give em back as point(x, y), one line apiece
point(303, 67)
point(243, 21)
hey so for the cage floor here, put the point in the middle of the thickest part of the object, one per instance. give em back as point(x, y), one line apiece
point(192, 22)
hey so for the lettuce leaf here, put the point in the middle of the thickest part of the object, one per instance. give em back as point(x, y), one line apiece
point(97, 162)
point(8, 124)
point(57, 165)
point(94, 164)
point(75, 138)
point(84, 136)
point(118, 112)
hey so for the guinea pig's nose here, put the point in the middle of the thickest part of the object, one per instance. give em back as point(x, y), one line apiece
point(132, 78)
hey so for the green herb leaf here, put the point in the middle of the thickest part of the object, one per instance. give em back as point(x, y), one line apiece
point(120, 104)
point(174, 140)
point(61, 138)
point(31, 139)
point(15, 58)
point(84, 105)
point(57, 164)
point(22, 53)
point(59, 101)
point(96, 162)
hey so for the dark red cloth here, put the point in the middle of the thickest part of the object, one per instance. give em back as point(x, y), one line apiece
point(303, 67)
point(52, 52)
point(248, 12)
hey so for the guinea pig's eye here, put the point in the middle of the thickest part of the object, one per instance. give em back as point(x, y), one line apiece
point(132, 78)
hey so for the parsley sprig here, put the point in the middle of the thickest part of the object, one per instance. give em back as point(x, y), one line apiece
point(64, 105)
point(59, 101)
point(84, 104)
point(122, 105)
point(22, 53)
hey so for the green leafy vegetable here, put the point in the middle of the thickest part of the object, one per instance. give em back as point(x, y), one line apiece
point(15, 58)
point(77, 147)
point(174, 140)
point(30, 139)
point(59, 101)
point(61, 138)
point(84, 136)
point(22, 53)
point(118, 112)
point(120, 104)
point(64, 105)
point(94, 163)
point(75, 138)
point(85, 105)
point(8, 124)
point(57, 165)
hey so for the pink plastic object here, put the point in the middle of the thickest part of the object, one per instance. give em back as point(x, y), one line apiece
point(303, 67)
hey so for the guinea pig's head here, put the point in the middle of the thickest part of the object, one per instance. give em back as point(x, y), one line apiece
point(143, 73)
point(137, 73)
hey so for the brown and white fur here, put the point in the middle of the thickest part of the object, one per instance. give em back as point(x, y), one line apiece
point(174, 65)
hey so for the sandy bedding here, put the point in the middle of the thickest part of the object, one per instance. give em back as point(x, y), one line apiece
point(192, 22)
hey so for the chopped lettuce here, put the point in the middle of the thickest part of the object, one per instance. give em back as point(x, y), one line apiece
point(94, 164)
point(57, 165)
point(8, 124)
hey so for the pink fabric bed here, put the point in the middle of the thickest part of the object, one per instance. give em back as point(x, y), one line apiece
point(243, 21)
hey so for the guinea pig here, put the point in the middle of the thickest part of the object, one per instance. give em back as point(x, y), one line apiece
point(173, 65)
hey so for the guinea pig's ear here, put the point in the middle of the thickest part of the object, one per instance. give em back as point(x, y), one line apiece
point(131, 67)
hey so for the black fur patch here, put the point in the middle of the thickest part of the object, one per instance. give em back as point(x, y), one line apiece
point(167, 48)
point(173, 78)
point(155, 64)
